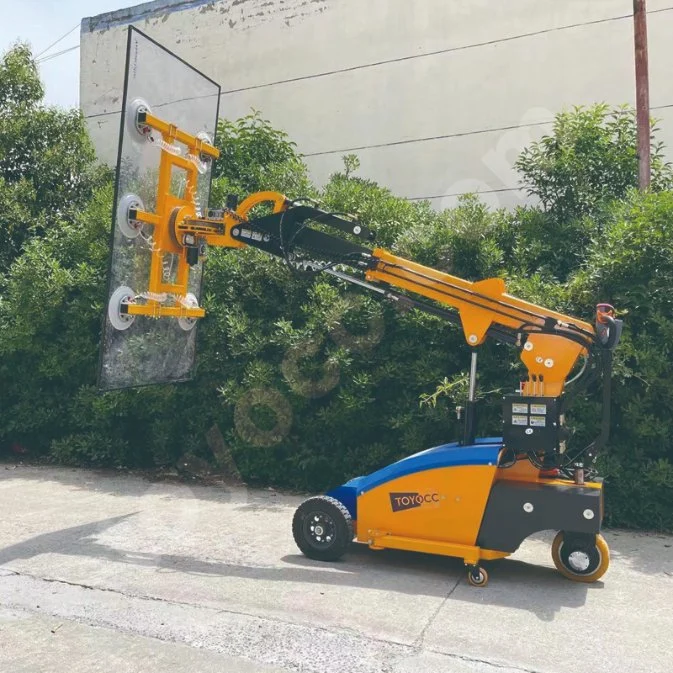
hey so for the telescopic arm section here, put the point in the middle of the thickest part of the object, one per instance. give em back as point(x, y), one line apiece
point(550, 342)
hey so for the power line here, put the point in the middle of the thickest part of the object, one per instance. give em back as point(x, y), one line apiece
point(409, 57)
point(490, 191)
point(444, 136)
point(437, 52)
point(57, 41)
point(57, 54)
point(445, 196)
point(411, 141)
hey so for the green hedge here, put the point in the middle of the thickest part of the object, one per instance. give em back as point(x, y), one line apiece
point(310, 381)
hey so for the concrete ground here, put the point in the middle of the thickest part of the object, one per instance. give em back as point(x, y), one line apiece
point(104, 572)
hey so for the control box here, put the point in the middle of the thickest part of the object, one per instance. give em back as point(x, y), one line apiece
point(532, 424)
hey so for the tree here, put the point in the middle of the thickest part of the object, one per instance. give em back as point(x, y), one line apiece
point(47, 164)
point(254, 156)
point(588, 160)
point(20, 85)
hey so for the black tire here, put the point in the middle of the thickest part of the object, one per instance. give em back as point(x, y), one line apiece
point(334, 527)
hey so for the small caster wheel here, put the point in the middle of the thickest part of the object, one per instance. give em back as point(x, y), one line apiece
point(477, 577)
point(322, 528)
point(580, 558)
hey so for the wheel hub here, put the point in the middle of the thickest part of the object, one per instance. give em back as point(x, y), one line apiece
point(320, 529)
point(579, 561)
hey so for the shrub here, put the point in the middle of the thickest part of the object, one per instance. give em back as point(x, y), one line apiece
point(310, 381)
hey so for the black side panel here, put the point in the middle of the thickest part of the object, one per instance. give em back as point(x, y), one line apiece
point(516, 510)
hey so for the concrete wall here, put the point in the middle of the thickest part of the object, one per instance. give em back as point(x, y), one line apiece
point(418, 85)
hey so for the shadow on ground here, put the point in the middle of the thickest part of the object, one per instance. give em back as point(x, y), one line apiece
point(514, 584)
point(643, 552)
point(538, 589)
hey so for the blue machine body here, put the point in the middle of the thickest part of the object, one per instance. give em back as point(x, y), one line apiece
point(483, 452)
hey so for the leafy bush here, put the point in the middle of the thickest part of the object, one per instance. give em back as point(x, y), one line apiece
point(310, 381)
point(256, 157)
point(631, 266)
point(589, 160)
point(47, 167)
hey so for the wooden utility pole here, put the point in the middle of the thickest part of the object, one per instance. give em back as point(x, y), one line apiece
point(642, 92)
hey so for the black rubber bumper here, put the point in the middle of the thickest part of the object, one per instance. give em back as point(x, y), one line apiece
point(516, 510)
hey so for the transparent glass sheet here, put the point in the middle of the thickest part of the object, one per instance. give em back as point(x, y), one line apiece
point(152, 350)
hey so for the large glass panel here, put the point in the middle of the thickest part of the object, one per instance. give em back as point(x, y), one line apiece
point(151, 350)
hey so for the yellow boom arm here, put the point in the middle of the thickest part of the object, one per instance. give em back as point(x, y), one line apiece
point(549, 357)
point(551, 342)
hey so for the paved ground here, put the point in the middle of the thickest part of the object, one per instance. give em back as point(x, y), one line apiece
point(114, 573)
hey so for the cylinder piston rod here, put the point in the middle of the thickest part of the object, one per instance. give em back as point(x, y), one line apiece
point(471, 404)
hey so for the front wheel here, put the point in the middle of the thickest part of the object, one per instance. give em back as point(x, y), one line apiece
point(322, 528)
point(581, 558)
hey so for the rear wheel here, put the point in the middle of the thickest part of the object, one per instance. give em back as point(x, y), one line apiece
point(322, 528)
point(581, 558)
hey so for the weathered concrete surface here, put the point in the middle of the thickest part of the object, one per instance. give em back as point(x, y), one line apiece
point(57, 645)
point(156, 576)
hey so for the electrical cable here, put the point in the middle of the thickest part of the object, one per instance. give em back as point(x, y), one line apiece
point(409, 57)
point(438, 52)
point(53, 44)
point(444, 136)
point(57, 54)
point(512, 462)
point(483, 191)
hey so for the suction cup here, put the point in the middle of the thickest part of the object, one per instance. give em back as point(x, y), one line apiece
point(190, 301)
point(118, 320)
point(130, 228)
point(205, 137)
point(139, 132)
